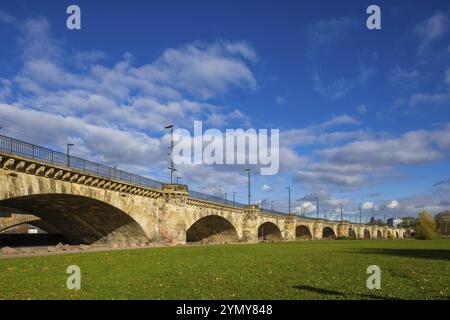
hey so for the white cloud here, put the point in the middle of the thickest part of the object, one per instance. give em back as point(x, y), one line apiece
point(411, 148)
point(432, 29)
point(329, 31)
point(404, 78)
point(335, 89)
point(6, 17)
point(368, 206)
point(362, 109)
point(433, 99)
point(266, 188)
point(206, 70)
point(280, 100)
point(394, 204)
point(340, 88)
point(338, 121)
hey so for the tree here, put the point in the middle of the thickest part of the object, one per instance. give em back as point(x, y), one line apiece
point(408, 222)
point(443, 222)
point(426, 226)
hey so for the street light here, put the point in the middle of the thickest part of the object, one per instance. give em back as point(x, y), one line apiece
point(234, 198)
point(289, 196)
point(317, 206)
point(115, 168)
point(68, 153)
point(360, 209)
point(172, 168)
point(249, 194)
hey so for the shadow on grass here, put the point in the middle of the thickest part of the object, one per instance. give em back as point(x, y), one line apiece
point(340, 294)
point(434, 254)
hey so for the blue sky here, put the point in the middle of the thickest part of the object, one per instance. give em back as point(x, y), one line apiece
point(364, 114)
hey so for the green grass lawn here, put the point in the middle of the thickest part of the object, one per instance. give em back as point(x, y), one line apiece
point(298, 270)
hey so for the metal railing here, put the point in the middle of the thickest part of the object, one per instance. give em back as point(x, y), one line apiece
point(215, 199)
point(29, 150)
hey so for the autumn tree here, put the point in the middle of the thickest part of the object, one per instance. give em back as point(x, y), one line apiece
point(443, 222)
point(425, 227)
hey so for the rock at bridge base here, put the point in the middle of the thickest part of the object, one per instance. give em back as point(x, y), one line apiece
point(84, 247)
point(8, 250)
point(27, 250)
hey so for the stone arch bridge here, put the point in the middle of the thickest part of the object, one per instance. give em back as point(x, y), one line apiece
point(88, 208)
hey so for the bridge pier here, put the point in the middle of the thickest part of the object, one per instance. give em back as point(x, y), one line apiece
point(171, 220)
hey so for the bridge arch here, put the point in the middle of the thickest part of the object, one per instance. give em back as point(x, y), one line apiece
point(379, 234)
point(351, 233)
point(212, 228)
point(396, 235)
point(81, 212)
point(367, 234)
point(80, 219)
point(328, 233)
point(269, 231)
point(302, 232)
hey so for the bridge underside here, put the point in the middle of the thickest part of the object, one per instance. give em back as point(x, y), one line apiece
point(79, 219)
point(328, 233)
point(212, 229)
point(269, 231)
point(302, 233)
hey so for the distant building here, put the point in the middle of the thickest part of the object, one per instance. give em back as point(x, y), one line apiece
point(393, 223)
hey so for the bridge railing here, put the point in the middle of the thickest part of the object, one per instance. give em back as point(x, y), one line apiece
point(215, 199)
point(47, 155)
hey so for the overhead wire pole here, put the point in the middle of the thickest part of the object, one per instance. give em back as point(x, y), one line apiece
point(289, 197)
point(234, 198)
point(360, 214)
point(172, 168)
point(317, 207)
point(249, 194)
point(342, 217)
point(68, 153)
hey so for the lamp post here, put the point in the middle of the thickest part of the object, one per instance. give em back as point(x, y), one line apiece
point(289, 201)
point(234, 198)
point(115, 168)
point(317, 206)
point(249, 194)
point(342, 217)
point(360, 209)
point(68, 153)
point(172, 168)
